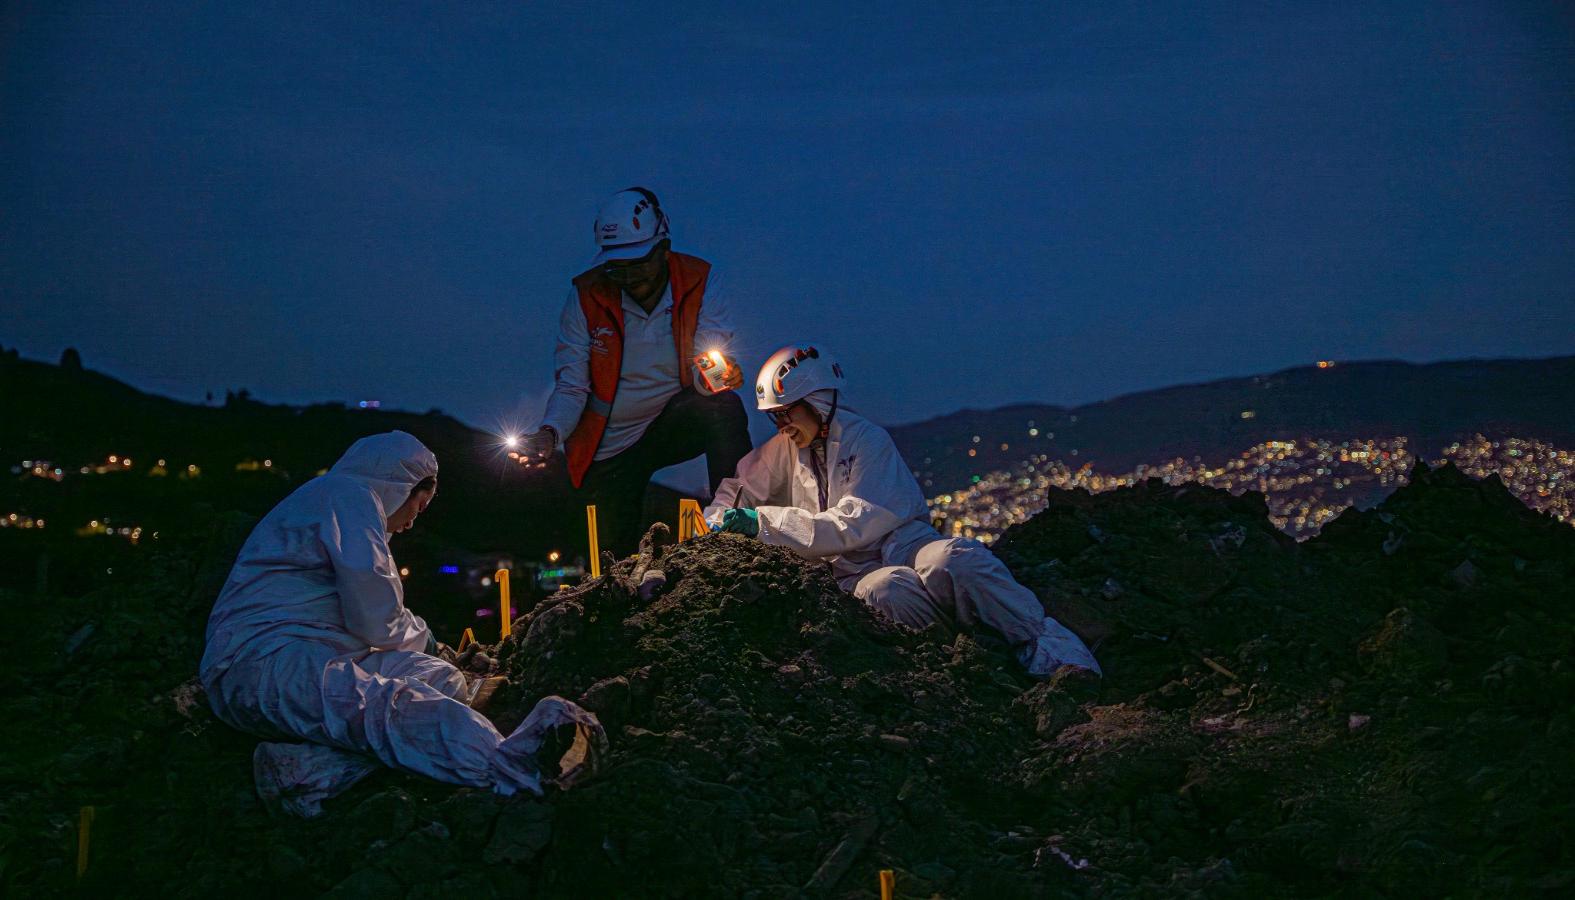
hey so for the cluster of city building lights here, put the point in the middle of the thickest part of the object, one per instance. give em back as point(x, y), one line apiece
point(1306, 483)
point(114, 463)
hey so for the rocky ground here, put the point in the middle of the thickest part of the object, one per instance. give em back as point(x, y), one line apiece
point(1382, 710)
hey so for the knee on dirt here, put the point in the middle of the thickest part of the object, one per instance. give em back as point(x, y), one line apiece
point(897, 593)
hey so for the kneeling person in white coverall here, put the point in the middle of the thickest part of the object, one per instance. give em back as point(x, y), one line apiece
point(310, 641)
point(831, 485)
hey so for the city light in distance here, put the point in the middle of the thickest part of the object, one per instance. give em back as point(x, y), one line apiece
point(1306, 482)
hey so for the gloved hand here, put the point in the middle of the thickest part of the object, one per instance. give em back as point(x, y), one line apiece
point(741, 521)
point(566, 742)
point(536, 447)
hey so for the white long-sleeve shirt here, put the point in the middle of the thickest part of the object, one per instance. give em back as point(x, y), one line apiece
point(856, 506)
point(648, 377)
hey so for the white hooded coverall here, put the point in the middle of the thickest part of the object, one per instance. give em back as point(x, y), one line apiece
point(310, 641)
point(854, 503)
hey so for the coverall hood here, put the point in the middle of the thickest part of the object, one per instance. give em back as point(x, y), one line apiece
point(390, 464)
point(822, 401)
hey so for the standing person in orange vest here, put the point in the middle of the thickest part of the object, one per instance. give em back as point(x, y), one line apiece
point(643, 377)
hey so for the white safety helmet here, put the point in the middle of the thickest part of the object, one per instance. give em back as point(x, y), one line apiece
point(795, 372)
point(629, 224)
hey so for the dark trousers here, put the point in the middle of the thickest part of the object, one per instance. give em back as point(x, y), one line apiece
point(691, 424)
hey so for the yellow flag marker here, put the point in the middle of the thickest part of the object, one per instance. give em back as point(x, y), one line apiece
point(466, 639)
point(84, 838)
point(691, 521)
point(596, 545)
point(504, 609)
point(888, 884)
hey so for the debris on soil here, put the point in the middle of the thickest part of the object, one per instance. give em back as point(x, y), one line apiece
point(1348, 715)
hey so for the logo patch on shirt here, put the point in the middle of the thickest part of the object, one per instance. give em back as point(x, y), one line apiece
point(598, 342)
point(845, 467)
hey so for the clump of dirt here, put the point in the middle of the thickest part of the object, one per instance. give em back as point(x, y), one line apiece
point(1384, 709)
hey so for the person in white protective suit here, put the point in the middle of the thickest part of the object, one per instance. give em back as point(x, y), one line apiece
point(831, 485)
point(310, 641)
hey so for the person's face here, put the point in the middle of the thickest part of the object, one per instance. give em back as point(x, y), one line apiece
point(405, 515)
point(640, 278)
point(799, 422)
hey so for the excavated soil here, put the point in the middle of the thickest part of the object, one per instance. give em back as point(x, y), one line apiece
point(1383, 710)
point(770, 733)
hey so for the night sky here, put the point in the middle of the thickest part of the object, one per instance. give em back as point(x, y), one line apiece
point(973, 205)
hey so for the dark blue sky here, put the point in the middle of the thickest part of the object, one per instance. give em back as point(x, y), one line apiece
point(974, 204)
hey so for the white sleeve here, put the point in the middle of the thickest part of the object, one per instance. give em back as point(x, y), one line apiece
point(861, 519)
point(571, 370)
point(371, 597)
point(714, 329)
point(761, 478)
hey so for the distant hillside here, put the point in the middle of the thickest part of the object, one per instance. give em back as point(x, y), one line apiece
point(1432, 404)
point(75, 417)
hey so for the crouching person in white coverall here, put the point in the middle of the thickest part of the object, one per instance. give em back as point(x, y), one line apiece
point(831, 485)
point(310, 641)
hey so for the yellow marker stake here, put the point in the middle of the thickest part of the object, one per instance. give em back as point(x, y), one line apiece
point(686, 519)
point(596, 545)
point(691, 520)
point(466, 639)
point(84, 838)
point(888, 884)
point(504, 609)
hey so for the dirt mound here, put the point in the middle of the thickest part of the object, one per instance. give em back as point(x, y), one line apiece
point(1385, 706)
point(1383, 709)
point(770, 733)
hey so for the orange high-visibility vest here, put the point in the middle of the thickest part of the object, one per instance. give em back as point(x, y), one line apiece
point(602, 303)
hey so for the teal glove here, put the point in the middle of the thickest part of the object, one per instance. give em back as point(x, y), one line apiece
point(741, 521)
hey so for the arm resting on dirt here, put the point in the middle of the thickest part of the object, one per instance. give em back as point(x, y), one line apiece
point(852, 524)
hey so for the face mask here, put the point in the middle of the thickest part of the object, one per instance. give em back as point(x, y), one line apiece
point(627, 274)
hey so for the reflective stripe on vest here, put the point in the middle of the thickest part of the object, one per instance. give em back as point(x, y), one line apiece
point(602, 303)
